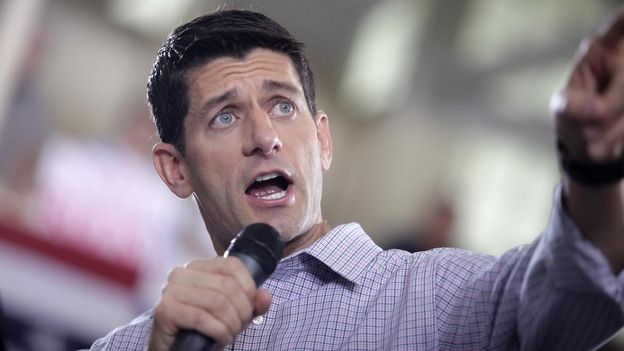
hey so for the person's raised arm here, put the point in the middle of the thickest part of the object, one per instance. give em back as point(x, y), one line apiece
point(589, 118)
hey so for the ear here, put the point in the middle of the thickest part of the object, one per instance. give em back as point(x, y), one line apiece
point(169, 164)
point(324, 137)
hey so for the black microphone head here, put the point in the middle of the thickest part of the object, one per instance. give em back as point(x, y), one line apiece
point(260, 243)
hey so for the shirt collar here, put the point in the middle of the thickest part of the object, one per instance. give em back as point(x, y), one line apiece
point(346, 249)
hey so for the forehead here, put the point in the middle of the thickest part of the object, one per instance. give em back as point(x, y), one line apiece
point(225, 73)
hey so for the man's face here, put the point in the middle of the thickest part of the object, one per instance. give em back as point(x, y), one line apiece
point(254, 153)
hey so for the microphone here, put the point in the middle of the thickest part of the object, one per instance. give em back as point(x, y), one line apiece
point(260, 247)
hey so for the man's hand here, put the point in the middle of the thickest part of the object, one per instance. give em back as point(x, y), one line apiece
point(589, 116)
point(217, 297)
point(589, 111)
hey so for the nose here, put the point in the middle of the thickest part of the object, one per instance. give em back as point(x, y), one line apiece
point(262, 136)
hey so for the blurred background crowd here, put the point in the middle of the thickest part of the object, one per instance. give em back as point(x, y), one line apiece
point(438, 110)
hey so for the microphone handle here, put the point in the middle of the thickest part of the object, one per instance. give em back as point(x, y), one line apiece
point(192, 340)
point(257, 273)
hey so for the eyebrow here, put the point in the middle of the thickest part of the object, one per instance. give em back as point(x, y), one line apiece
point(217, 100)
point(268, 84)
point(272, 85)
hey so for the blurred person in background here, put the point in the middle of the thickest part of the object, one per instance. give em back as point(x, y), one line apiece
point(22, 135)
point(233, 98)
point(101, 197)
point(434, 230)
point(66, 197)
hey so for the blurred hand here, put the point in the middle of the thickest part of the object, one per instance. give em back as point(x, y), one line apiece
point(589, 111)
point(216, 297)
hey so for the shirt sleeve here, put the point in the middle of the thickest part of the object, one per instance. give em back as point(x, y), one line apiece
point(131, 337)
point(570, 299)
point(557, 293)
point(581, 265)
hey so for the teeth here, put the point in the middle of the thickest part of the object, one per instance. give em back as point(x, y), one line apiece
point(275, 196)
point(267, 176)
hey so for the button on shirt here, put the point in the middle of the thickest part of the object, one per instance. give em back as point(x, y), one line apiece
point(346, 293)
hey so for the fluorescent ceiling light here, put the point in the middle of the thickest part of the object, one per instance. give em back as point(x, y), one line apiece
point(151, 18)
point(379, 67)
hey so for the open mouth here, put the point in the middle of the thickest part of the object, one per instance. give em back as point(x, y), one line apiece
point(270, 186)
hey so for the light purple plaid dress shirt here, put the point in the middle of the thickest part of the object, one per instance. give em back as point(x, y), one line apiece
point(346, 293)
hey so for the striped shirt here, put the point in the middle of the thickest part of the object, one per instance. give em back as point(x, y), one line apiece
point(346, 293)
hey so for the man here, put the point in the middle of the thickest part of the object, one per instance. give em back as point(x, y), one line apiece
point(232, 96)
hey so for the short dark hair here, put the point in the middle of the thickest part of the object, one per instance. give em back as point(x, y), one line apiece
point(225, 33)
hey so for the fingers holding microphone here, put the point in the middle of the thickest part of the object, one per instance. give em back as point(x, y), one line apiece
point(209, 302)
point(215, 297)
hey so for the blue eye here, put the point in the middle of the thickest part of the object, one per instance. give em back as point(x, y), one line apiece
point(224, 119)
point(285, 107)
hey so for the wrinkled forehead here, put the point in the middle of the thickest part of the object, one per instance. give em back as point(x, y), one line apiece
point(268, 69)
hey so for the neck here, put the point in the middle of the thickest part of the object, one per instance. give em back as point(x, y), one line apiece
point(306, 239)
